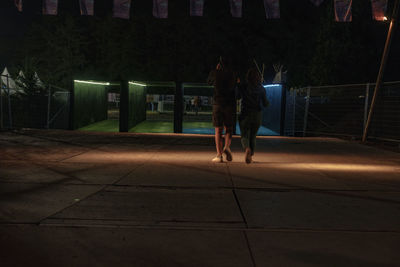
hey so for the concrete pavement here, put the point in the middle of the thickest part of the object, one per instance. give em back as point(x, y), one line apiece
point(104, 199)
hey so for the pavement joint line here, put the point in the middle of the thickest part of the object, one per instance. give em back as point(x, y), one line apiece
point(48, 139)
point(156, 222)
point(56, 141)
point(330, 176)
point(199, 188)
point(173, 164)
point(199, 228)
point(47, 167)
point(71, 205)
point(230, 176)
point(90, 148)
point(82, 199)
point(115, 183)
point(237, 200)
point(135, 168)
point(68, 174)
point(249, 248)
point(240, 208)
point(36, 188)
point(73, 156)
point(99, 148)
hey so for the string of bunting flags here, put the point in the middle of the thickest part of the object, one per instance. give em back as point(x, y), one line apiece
point(121, 8)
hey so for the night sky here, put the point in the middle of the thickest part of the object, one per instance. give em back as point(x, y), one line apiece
point(295, 41)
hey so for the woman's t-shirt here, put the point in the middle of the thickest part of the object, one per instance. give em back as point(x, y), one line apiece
point(254, 98)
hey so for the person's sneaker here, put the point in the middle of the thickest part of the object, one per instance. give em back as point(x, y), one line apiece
point(248, 156)
point(228, 154)
point(218, 159)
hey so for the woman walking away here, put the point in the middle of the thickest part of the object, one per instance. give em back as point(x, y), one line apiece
point(254, 99)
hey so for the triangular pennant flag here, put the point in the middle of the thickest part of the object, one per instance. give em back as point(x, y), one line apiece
point(379, 9)
point(122, 9)
point(272, 9)
point(87, 7)
point(196, 8)
point(50, 7)
point(236, 8)
point(317, 2)
point(160, 9)
point(18, 4)
point(343, 10)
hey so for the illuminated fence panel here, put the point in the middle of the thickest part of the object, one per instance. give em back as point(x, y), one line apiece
point(151, 107)
point(271, 117)
point(197, 108)
point(89, 104)
point(137, 104)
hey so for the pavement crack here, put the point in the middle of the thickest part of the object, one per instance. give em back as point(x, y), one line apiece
point(249, 248)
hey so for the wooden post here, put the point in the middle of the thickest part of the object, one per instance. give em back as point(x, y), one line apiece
point(366, 102)
point(382, 68)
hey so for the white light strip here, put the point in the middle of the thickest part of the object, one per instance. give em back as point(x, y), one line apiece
point(272, 85)
point(135, 83)
point(98, 83)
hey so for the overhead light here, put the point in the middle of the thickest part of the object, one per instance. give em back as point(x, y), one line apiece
point(385, 18)
point(98, 83)
point(139, 84)
point(272, 85)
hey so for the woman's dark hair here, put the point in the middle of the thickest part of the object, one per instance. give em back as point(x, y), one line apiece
point(253, 77)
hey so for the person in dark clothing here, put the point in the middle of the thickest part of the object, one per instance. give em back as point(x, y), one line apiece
point(254, 98)
point(224, 107)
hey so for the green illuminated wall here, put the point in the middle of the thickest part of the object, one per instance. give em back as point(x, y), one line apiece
point(137, 104)
point(89, 104)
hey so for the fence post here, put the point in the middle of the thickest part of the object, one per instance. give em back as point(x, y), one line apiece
point(9, 103)
point(294, 112)
point(178, 107)
point(124, 107)
point(382, 67)
point(366, 105)
point(48, 108)
point(283, 109)
point(306, 110)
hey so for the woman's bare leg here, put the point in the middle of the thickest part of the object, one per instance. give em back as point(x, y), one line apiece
point(228, 138)
point(218, 140)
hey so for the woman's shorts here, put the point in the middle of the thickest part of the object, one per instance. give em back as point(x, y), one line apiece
point(223, 115)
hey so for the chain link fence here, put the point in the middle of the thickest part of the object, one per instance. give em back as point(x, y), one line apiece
point(48, 110)
point(339, 110)
point(343, 110)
